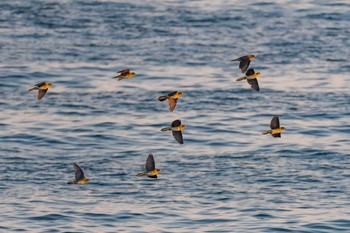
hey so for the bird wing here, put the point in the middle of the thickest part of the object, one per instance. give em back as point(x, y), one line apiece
point(250, 72)
point(41, 94)
point(275, 122)
point(254, 84)
point(150, 165)
point(172, 93)
point(178, 136)
point(176, 123)
point(124, 72)
point(276, 135)
point(40, 84)
point(244, 64)
point(79, 174)
point(240, 58)
point(172, 104)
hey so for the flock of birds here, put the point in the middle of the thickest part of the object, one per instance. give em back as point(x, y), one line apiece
point(176, 126)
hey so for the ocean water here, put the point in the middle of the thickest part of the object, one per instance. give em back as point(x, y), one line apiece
point(227, 177)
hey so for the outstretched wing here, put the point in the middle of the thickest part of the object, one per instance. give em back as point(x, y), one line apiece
point(79, 174)
point(240, 58)
point(176, 123)
point(150, 165)
point(244, 64)
point(40, 84)
point(172, 93)
point(124, 72)
point(172, 104)
point(254, 84)
point(41, 94)
point(275, 123)
point(178, 136)
point(276, 135)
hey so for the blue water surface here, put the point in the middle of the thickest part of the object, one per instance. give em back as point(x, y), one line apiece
point(227, 177)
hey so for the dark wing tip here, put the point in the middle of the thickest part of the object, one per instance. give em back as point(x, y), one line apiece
point(41, 93)
point(254, 84)
point(79, 174)
point(150, 164)
point(178, 137)
point(275, 122)
point(244, 64)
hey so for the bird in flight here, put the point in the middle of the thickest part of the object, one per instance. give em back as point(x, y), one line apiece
point(276, 130)
point(244, 62)
point(151, 170)
point(251, 78)
point(172, 98)
point(79, 176)
point(42, 89)
point(176, 128)
point(124, 74)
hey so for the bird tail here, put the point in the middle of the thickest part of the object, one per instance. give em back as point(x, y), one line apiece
point(72, 182)
point(142, 174)
point(32, 89)
point(119, 77)
point(267, 132)
point(242, 78)
point(162, 98)
point(165, 129)
point(237, 59)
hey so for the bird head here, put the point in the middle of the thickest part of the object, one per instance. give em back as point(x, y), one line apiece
point(251, 57)
point(157, 171)
point(181, 127)
point(133, 73)
point(83, 181)
point(257, 74)
point(86, 180)
point(49, 84)
point(180, 93)
point(282, 128)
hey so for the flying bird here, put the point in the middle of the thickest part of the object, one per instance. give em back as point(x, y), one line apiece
point(122, 74)
point(176, 129)
point(276, 130)
point(172, 99)
point(244, 62)
point(79, 176)
point(151, 170)
point(42, 89)
point(251, 78)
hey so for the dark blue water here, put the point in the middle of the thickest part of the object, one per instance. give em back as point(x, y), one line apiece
point(227, 177)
